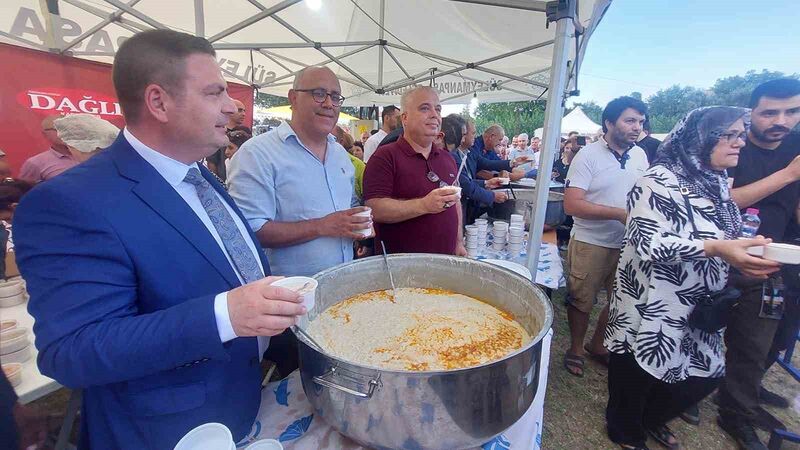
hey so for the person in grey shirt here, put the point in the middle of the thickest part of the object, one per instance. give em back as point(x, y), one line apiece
point(294, 184)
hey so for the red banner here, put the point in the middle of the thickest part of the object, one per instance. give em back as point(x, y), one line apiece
point(39, 84)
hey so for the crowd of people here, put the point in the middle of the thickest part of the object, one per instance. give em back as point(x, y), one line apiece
point(174, 256)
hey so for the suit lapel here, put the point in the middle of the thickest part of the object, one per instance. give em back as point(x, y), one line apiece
point(154, 190)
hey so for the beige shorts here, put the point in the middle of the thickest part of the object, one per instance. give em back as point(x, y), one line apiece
point(591, 268)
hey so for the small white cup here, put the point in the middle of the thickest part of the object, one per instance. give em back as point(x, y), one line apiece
point(295, 283)
point(366, 231)
point(209, 436)
point(504, 181)
point(480, 222)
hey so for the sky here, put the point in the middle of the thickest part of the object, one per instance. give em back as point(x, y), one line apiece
point(647, 45)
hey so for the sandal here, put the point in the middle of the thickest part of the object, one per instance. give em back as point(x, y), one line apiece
point(664, 436)
point(601, 358)
point(574, 364)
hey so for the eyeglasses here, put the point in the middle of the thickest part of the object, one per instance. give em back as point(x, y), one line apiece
point(733, 136)
point(319, 96)
point(433, 178)
point(241, 110)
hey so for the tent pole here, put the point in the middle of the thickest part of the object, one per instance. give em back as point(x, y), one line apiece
point(381, 38)
point(111, 18)
point(266, 12)
point(136, 13)
point(552, 127)
point(199, 19)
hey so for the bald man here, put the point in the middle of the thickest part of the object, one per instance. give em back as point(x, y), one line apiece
point(51, 162)
point(237, 118)
point(294, 184)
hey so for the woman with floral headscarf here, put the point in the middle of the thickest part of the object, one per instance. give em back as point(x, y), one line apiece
point(659, 364)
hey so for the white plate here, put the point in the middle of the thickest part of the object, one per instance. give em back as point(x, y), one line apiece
point(782, 253)
point(512, 266)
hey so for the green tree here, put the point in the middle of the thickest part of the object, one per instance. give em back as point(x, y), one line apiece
point(735, 90)
point(268, 100)
point(514, 117)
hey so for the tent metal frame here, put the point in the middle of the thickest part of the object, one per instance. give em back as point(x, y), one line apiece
point(562, 12)
point(145, 22)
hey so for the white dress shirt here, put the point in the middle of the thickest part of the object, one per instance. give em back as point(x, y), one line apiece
point(174, 172)
point(372, 144)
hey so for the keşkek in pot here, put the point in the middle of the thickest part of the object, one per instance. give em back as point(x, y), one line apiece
point(430, 409)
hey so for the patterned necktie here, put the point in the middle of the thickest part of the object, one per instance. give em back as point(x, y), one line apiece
point(243, 259)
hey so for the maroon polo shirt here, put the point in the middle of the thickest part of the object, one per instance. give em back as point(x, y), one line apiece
point(396, 171)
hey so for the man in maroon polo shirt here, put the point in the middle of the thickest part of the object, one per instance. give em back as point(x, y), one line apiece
point(406, 184)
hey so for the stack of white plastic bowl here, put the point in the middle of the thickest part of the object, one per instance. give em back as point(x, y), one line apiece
point(516, 221)
point(471, 234)
point(515, 240)
point(483, 230)
point(499, 235)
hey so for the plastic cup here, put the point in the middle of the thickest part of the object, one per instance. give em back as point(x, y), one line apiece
point(454, 189)
point(296, 284)
point(209, 436)
point(504, 181)
point(265, 444)
point(366, 231)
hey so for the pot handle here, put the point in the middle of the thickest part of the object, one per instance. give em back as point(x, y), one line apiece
point(327, 378)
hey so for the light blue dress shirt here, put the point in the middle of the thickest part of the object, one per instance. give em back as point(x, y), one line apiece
point(174, 172)
point(275, 177)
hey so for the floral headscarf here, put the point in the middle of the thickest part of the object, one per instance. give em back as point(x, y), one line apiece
point(686, 151)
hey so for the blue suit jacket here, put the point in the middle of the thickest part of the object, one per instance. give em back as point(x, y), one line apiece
point(122, 276)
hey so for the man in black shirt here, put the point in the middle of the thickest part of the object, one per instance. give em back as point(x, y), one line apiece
point(648, 143)
point(767, 178)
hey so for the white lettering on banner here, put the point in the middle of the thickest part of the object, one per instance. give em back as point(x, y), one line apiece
point(28, 25)
point(58, 100)
point(37, 98)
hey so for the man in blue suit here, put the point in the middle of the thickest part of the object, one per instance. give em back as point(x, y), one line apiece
point(147, 287)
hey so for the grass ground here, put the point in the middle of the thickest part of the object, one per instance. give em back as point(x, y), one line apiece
point(574, 407)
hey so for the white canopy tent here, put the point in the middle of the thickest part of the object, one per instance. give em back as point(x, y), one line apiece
point(497, 50)
point(576, 120)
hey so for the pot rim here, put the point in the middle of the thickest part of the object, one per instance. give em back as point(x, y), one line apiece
point(535, 340)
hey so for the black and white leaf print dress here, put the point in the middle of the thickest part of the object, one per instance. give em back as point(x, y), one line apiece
point(662, 270)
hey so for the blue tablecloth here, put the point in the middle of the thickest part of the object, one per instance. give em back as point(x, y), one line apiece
point(286, 415)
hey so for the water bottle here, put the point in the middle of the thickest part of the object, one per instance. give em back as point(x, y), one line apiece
point(750, 223)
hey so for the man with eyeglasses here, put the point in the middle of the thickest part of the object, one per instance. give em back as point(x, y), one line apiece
point(767, 178)
point(51, 162)
point(294, 184)
point(408, 184)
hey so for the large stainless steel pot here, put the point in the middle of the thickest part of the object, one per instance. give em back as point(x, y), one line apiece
point(426, 410)
point(522, 201)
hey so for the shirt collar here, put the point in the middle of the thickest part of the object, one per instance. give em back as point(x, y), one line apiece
point(605, 143)
point(285, 130)
point(172, 170)
point(409, 150)
point(60, 155)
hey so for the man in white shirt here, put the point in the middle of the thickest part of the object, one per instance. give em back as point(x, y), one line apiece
point(598, 182)
point(391, 120)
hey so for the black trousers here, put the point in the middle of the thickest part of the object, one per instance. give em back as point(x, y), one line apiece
point(748, 341)
point(637, 401)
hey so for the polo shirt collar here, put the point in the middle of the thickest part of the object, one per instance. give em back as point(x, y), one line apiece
point(170, 169)
point(59, 155)
point(409, 150)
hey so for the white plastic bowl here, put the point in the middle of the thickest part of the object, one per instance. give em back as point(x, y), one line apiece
point(782, 253)
point(295, 283)
point(13, 372)
point(14, 300)
point(8, 325)
point(13, 340)
point(20, 356)
point(366, 231)
point(209, 436)
point(265, 444)
point(11, 288)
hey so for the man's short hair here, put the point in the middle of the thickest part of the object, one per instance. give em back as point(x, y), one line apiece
point(778, 88)
point(616, 107)
point(387, 111)
point(302, 72)
point(494, 129)
point(459, 119)
point(646, 125)
point(404, 99)
point(153, 57)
